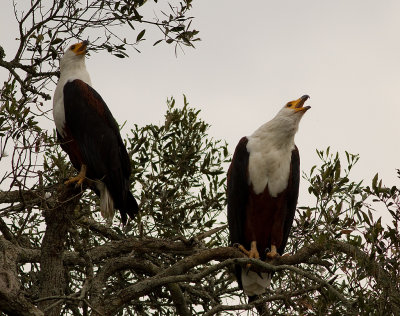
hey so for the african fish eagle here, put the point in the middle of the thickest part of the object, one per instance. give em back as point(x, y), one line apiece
point(90, 136)
point(262, 191)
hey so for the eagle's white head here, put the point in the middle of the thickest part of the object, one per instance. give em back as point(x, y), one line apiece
point(281, 129)
point(72, 66)
point(286, 122)
point(74, 56)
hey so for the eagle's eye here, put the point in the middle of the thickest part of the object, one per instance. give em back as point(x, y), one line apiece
point(72, 47)
point(288, 105)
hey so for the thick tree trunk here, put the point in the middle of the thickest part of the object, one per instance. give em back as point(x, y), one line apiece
point(12, 300)
point(52, 274)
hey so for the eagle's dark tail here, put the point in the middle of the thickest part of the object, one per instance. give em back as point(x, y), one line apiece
point(130, 207)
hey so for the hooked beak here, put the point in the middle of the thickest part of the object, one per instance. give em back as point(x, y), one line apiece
point(298, 104)
point(81, 48)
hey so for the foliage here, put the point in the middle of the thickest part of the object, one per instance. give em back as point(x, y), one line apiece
point(345, 261)
point(358, 227)
point(179, 171)
point(181, 174)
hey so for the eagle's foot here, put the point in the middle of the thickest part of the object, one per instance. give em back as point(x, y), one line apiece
point(242, 249)
point(273, 253)
point(253, 253)
point(79, 179)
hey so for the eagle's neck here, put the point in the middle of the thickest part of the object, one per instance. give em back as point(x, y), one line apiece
point(270, 151)
point(74, 68)
point(278, 133)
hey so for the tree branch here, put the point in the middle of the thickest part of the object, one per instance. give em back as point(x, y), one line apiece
point(99, 228)
point(178, 272)
point(139, 265)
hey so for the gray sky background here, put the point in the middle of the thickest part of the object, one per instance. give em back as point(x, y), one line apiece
point(254, 58)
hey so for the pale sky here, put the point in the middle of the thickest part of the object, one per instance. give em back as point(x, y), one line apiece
point(254, 58)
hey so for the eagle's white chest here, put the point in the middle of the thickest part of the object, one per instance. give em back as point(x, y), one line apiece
point(58, 99)
point(58, 111)
point(268, 165)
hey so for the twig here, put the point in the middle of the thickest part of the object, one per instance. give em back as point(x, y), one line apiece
point(210, 232)
point(61, 299)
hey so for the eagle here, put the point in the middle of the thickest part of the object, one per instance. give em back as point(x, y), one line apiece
point(90, 136)
point(262, 190)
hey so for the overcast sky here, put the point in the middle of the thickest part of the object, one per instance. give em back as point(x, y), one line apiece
point(254, 58)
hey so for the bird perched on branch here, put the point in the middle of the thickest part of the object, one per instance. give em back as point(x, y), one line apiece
point(90, 136)
point(262, 191)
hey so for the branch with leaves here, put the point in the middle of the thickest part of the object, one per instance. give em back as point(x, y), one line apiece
point(186, 270)
point(172, 258)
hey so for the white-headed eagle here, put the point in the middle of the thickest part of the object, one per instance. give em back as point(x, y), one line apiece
point(90, 136)
point(262, 191)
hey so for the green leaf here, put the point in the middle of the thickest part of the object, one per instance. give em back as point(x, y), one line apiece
point(374, 181)
point(56, 41)
point(140, 35)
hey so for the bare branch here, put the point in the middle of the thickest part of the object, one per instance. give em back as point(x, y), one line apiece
point(210, 232)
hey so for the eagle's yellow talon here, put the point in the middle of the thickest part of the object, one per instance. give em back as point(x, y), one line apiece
point(79, 179)
point(253, 253)
point(273, 253)
point(244, 250)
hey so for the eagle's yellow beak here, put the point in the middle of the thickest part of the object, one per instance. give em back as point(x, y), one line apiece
point(80, 48)
point(297, 105)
